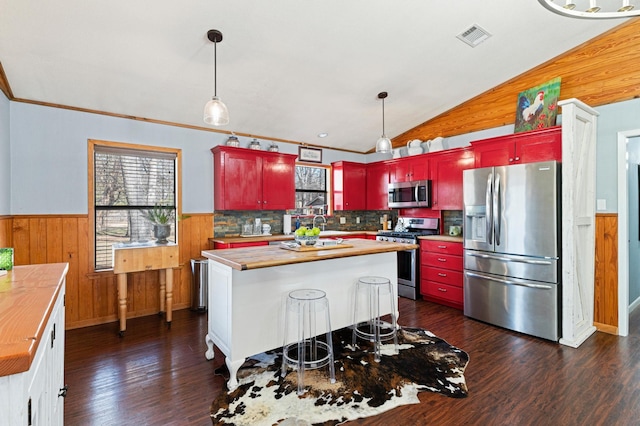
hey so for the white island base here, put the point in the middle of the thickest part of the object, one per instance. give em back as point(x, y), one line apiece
point(246, 307)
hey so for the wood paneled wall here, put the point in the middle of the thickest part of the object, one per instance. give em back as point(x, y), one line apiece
point(599, 72)
point(606, 274)
point(6, 223)
point(91, 296)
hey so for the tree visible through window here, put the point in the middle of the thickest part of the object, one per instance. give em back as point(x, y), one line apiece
point(312, 196)
point(126, 183)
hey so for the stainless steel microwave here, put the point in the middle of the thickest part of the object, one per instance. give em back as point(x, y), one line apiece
point(410, 194)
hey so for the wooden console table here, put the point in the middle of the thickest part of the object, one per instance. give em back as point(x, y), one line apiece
point(145, 257)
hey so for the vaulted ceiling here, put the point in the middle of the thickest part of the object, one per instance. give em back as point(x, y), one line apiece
point(286, 69)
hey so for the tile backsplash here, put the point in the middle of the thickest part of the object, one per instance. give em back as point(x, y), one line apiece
point(229, 223)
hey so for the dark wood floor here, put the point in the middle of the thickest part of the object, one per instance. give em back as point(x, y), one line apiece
point(155, 376)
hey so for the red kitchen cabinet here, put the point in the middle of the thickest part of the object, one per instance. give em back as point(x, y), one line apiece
point(253, 180)
point(525, 147)
point(349, 185)
point(377, 186)
point(218, 246)
point(441, 275)
point(446, 177)
point(409, 168)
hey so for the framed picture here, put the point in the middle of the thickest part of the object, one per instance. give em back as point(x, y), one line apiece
point(312, 155)
point(537, 107)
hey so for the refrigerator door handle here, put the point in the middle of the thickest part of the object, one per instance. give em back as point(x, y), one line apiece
point(504, 281)
point(497, 213)
point(509, 259)
point(487, 204)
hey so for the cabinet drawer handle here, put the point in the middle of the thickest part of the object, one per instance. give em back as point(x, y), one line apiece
point(441, 274)
point(444, 290)
point(440, 259)
point(442, 247)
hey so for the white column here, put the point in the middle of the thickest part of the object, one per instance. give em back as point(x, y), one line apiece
point(578, 220)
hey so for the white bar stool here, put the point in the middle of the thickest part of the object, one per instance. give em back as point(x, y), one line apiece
point(307, 351)
point(368, 292)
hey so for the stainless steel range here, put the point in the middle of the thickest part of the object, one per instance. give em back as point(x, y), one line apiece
point(407, 232)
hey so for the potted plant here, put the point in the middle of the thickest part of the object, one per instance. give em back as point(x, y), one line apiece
point(161, 218)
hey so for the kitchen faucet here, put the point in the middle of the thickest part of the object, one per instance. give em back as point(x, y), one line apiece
point(324, 219)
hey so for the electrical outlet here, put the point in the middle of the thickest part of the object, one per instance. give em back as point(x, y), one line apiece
point(381, 220)
point(358, 219)
point(343, 220)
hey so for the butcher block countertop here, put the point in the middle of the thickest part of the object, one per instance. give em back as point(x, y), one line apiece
point(273, 255)
point(441, 238)
point(282, 237)
point(27, 297)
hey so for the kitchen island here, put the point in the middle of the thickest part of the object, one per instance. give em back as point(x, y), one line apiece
point(248, 288)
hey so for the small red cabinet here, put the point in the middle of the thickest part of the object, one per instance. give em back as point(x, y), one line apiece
point(378, 186)
point(441, 274)
point(349, 185)
point(525, 147)
point(409, 168)
point(446, 177)
point(253, 180)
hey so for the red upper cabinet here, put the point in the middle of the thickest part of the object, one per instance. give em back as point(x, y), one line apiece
point(349, 185)
point(253, 180)
point(446, 177)
point(526, 147)
point(409, 168)
point(378, 186)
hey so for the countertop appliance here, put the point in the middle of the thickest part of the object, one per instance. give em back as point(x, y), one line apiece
point(408, 260)
point(511, 247)
point(415, 193)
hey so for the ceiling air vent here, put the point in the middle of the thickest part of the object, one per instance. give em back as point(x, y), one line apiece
point(474, 35)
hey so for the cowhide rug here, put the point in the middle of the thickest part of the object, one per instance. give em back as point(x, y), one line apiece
point(363, 387)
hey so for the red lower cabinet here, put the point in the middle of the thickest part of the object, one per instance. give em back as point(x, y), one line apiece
point(218, 245)
point(441, 272)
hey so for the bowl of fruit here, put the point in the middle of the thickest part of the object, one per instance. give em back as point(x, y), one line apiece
point(306, 236)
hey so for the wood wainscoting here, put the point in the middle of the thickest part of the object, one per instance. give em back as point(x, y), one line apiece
point(605, 305)
point(91, 296)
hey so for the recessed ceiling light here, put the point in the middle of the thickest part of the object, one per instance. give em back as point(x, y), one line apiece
point(323, 135)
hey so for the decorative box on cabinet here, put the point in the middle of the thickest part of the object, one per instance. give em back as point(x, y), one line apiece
point(247, 179)
point(32, 386)
point(441, 275)
point(525, 147)
point(446, 177)
point(378, 186)
point(409, 168)
point(349, 185)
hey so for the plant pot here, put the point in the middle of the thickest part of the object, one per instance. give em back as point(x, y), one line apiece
point(161, 232)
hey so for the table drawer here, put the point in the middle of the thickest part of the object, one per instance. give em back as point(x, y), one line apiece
point(445, 276)
point(446, 247)
point(442, 291)
point(438, 260)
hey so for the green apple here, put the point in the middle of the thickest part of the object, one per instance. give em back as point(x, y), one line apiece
point(316, 230)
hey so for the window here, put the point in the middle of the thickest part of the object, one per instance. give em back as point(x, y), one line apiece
point(129, 180)
point(312, 195)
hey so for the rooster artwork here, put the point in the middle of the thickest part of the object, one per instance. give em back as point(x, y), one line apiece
point(537, 107)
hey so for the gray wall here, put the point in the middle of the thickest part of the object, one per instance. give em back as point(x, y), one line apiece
point(49, 157)
point(48, 151)
point(5, 159)
point(613, 118)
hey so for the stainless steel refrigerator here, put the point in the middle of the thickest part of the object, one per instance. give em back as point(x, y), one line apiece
point(511, 247)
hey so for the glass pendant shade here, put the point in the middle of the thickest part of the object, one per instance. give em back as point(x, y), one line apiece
point(383, 145)
point(216, 113)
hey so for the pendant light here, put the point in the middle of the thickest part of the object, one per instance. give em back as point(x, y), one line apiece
point(215, 111)
point(383, 144)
